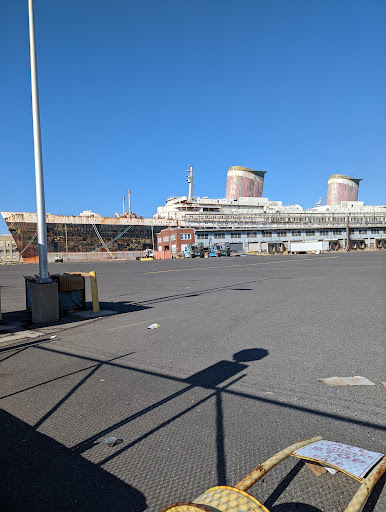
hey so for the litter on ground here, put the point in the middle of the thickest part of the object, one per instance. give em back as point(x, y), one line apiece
point(112, 441)
point(347, 381)
point(153, 326)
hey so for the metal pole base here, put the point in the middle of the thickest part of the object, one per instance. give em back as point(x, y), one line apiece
point(45, 302)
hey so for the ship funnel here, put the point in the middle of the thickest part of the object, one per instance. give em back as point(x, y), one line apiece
point(244, 182)
point(342, 188)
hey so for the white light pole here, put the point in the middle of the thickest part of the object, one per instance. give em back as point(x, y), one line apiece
point(40, 204)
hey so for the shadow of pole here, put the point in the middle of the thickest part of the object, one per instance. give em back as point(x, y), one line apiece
point(220, 438)
point(90, 441)
point(66, 397)
point(295, 507)
point(177, 296)
point(166, 423)
point(208, 378)
point(63, 376)
point(283, 484)
point(14, 354)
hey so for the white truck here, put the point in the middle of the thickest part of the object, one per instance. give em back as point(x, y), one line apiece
point(311, 246)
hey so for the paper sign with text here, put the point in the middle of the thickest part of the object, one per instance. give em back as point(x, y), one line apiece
point(350, 459)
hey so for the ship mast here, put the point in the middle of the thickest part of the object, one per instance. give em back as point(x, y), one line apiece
point(189, 179)
point(129, 197)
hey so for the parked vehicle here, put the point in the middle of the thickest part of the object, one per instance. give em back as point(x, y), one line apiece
point(212, 252)
point(223, 249)
point(147, 256)
point(194, 251)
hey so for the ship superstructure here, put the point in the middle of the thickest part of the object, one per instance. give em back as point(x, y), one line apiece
point(248, 222)
point(255, 224)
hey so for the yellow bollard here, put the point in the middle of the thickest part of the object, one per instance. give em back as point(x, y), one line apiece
point(94, 292)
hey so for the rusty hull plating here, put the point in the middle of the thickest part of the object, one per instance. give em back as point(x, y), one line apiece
point(78, 234)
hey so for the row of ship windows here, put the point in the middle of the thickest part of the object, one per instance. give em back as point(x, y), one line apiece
point(309, 232)
point(301, 218)
point(328, 219)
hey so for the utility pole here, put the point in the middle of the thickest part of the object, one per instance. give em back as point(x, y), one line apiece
point(152, 237)
point(129, 197)
point(348, 233)
point(65, 228)
point(40, 202)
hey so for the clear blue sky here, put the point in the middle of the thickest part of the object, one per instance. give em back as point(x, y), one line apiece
point(133, 91)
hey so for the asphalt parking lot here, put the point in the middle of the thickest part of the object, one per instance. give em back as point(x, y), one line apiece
point(228, 378)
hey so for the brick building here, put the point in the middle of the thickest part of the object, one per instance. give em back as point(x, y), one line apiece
point(172, 241)
point(8, 249)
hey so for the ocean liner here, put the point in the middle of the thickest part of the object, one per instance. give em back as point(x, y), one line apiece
point(244, 219)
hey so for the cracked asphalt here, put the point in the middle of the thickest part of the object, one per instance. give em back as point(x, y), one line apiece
point(229, 378)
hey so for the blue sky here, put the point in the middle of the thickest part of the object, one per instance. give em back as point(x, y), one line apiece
point(132, 92)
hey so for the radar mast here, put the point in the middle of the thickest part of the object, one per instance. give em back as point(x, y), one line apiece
point(189, 179)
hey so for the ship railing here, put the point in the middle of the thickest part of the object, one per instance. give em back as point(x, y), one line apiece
point(251, 227)
point(277, 225)
point(269, 219)
point(293, 215)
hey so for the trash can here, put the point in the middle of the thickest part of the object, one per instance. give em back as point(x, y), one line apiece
point(72, 292)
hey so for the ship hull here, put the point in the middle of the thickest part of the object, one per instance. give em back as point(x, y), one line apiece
point(102, 236)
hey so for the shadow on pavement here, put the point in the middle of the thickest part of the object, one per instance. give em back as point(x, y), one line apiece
point(21, 346)
point(213, 376)
point(216, 374)
point(40, 474)
point(294, 507)
point(283, 486)
point(64, 469)
point(120, 307)
point(18, 321)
